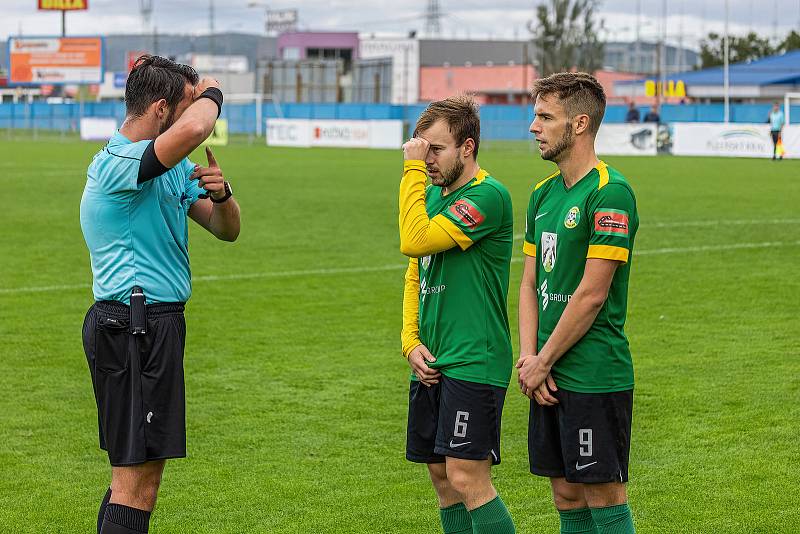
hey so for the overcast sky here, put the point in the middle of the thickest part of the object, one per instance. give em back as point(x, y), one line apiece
point(686, 19)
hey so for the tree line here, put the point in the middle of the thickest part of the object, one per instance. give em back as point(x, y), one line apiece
point(566, 34)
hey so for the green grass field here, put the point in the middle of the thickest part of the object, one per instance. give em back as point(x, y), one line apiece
point(296, 390)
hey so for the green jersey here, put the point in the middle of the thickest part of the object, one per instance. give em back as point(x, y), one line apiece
point(462, 291)
point(595, 218)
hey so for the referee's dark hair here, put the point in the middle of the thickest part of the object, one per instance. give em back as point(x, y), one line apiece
point(153, 78)
point(461, 114)
point(579, 93)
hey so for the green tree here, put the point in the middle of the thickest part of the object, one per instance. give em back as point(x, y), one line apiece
point(566, 36)
point(746, 48)
point(792, 42)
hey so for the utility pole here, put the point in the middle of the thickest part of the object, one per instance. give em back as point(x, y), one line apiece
point(211, 27)
point(146, 10)
point(726, 69)
point(637, 64)
point(662, 64)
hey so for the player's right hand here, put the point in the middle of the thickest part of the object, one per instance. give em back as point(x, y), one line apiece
point(418, 359)
point(416, 148)
point(203, 84)
point(543, 395)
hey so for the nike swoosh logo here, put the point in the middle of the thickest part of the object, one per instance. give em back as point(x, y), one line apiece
point(456, 445)
point(540, 216)
point(581, 467)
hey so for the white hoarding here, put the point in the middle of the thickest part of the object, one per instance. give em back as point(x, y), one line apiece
point(627, 139)
point(97, 128)
point(718, 139)
point(335, 133)
point(288, 132)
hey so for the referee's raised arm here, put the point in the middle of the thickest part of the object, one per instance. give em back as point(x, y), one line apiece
point(193, 127)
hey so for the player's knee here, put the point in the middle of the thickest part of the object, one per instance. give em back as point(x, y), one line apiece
point(138, 491)
point(569, 501)
point(568, 497)
point(438, 475)
point(463, 481)
point(604, 495)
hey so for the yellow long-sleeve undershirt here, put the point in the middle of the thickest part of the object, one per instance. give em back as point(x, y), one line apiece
point(409, 337)
point(419, 234)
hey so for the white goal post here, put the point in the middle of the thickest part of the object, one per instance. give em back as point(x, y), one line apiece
point(787, 105)
point(259, 99)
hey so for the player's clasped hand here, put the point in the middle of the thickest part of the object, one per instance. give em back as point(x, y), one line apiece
point(535, 380)
point(416, 148)
point(210, 178)
point(418, 360)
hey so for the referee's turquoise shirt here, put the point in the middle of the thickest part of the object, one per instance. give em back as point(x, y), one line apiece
point(137, 234)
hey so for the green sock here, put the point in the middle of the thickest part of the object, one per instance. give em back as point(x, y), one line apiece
point(455, 519)
point(578, 521)
point(492, 518)
point(614, 519)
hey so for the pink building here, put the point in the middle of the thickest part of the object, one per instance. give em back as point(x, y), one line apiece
point(500, 84)
point(491, 84)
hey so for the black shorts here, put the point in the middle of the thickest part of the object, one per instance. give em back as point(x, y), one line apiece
point(586, 437)
point(454, 418)
point(138, 381)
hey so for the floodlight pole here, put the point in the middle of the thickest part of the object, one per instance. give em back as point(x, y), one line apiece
point(726, 67)
point(63, 23)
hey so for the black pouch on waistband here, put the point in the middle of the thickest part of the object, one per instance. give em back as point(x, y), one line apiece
point(138, 312)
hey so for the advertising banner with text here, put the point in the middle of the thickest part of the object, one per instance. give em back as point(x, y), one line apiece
point(335, 133)
point(55, 60)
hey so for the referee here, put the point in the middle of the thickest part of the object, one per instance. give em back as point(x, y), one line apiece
point(140, 188)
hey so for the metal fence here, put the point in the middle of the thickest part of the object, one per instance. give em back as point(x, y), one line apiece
point(498, 122)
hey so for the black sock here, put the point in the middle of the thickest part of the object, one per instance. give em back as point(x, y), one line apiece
point(121, 519)
point(102, 513)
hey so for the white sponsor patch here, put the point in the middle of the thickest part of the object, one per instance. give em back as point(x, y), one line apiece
point(549, 242)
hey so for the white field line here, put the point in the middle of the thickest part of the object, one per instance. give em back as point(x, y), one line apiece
point(395, 267)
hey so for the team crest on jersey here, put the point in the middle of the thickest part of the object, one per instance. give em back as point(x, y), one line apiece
point(611, 222)
point(468, 213)
point(549, 241)
point(425, 261)
point(573, 217)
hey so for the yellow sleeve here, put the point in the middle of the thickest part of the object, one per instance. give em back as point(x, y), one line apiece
point(419, 236)
point(529, 249)
point(410, 334)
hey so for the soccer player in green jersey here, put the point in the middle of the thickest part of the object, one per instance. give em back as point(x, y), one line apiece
point(458, 233)
point(575, 363)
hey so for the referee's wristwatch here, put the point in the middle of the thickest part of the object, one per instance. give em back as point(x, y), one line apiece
point(228, 194)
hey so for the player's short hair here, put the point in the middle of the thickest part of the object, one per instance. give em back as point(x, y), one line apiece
point(579, 93)
point(153, 78)
point(461, 114)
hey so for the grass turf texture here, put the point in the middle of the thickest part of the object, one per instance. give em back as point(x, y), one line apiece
point(296, 391)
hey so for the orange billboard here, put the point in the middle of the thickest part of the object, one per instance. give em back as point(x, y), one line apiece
point(55, 60)
point(63, 5)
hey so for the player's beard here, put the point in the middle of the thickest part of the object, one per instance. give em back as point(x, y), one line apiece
point(450, 175)
point(565, 143)
point(168, 122)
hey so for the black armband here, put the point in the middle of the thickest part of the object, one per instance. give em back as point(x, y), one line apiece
point(149, 166)
point(214, 94)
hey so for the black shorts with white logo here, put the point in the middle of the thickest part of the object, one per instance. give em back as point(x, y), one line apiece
point(454, 418)
point(586, 437)
point(138, 381)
